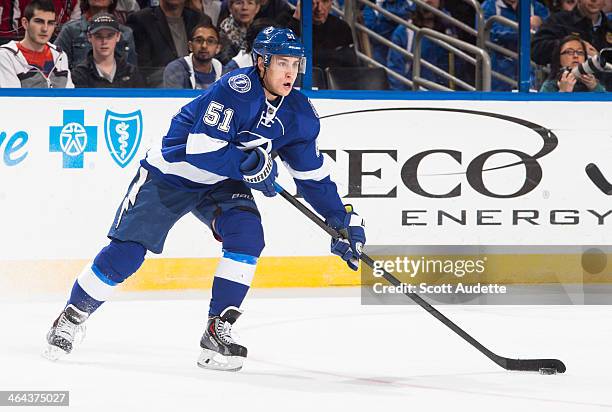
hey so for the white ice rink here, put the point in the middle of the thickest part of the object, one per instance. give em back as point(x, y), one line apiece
point(313, 350)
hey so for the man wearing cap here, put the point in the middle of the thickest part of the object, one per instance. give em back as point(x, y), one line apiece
point(73, 40)
point(102, 69)
point(33, 61)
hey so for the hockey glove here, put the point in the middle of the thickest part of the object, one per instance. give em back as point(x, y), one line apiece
point(352, 229)
point(259, 171)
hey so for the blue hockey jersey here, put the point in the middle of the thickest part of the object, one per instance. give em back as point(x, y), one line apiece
point(208, 138)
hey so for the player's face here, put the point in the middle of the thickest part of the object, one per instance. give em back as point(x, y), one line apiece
point(104, 42)
point(244, 11)
point(205, 44)
point(281, 74)
point(40, 27)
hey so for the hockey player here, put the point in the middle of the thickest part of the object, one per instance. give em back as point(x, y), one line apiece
point(217, 149)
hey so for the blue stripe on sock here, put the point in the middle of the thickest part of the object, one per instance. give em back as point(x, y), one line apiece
point(82, 300)
point(239, 257)
point(101, 276)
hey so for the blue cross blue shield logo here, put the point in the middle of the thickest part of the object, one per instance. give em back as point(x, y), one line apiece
point(73, 139)
point(123, 133)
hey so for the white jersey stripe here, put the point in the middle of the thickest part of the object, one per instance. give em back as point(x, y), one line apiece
point(182, 169)
point(317, 174)
point(198, 143)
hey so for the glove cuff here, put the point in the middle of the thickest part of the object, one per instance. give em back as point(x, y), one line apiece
point(263, 168)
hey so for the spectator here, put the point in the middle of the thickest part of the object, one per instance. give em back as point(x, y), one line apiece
point(431, 52)
point(570, 53)
point(11, 12)
point(382, 25)
point(200, 69)
point(508, 37)
point(161, 35)
point(73, 38)
point(101, 68)
point(278, 10)
point(332, 38)
point(587, 20)
point(34, 62)
point(211, 8)
point(234, 28)
point(244, 58)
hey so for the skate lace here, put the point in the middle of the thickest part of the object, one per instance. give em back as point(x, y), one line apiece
point(65, 328)
point(224, 332)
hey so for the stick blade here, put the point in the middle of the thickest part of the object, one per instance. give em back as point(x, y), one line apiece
point(534, 365)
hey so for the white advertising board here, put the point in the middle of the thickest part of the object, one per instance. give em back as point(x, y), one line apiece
point(420, 172)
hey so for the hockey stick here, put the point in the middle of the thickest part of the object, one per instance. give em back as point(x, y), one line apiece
point(542, 365)
point(598, 178)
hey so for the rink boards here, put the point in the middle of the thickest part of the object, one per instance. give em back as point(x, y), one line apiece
point(479, 173)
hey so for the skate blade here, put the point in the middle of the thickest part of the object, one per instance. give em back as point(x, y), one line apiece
point(212, 360)
point(53, 353)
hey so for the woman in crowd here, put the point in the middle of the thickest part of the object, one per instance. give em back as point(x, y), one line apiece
point(570, 53)
point(234, 28)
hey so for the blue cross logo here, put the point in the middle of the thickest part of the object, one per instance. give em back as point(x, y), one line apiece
point(73, 139)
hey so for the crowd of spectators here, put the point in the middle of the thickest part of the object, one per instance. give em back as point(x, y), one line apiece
point(430, 51)
point(507, 37)
point(191, 43)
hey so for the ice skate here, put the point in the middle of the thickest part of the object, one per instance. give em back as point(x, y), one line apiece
point(219, 351)
point(67, 330)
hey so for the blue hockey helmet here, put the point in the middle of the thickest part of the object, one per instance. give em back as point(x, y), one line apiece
point(281, 42)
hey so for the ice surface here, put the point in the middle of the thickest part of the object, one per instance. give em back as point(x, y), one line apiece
point(313, 349)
